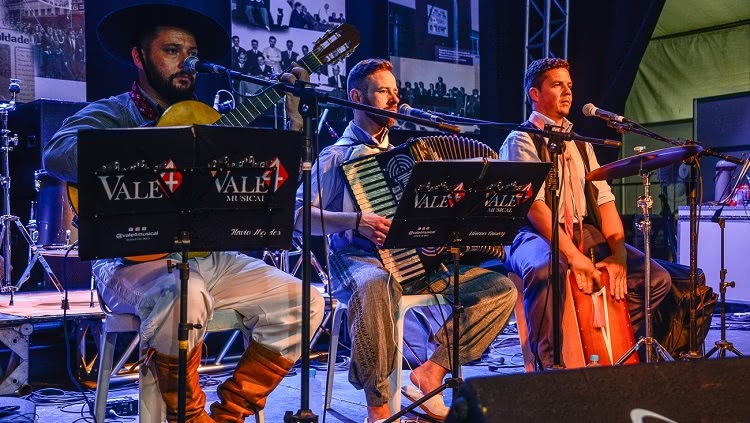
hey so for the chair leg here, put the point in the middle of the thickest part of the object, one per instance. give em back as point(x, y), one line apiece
point(396, 377)
point(227, 345)
point(109, 339)
point(338, 314)
point(260, 417)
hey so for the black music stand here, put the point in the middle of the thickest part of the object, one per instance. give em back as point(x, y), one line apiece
point(182, 189)
point(454, 204)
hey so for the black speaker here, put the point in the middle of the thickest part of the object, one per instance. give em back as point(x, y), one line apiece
point(35, 123)
point(694, 391)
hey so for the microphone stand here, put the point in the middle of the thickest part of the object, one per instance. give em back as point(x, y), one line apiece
point(308, 106)
point(555, 145)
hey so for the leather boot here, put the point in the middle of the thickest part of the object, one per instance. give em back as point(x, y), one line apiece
point(258, 372)
point(165, 368)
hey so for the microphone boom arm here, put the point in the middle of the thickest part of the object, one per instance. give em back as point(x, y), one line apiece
point(300, 88)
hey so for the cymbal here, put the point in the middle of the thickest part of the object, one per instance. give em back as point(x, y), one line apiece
point(646, 161)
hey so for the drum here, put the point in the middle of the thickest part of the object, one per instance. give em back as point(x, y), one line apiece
point(723, 179)
point(54, 216)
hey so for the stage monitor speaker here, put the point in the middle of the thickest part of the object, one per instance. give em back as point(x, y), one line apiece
point(694, 391)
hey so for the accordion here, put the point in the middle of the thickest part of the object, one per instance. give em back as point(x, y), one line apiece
point(377, 183)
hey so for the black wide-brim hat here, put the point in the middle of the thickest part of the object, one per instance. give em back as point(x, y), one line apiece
point(119, 31)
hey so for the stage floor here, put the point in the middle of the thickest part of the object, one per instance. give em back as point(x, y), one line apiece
point(61, 404)
point(46, 306)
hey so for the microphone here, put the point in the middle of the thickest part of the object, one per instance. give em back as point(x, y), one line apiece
point(590, 110)
point(407, 110)
point(193, 65)
point(217, 100)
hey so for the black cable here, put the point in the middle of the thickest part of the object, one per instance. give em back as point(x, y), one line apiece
point(444, 324)
point(67, 354)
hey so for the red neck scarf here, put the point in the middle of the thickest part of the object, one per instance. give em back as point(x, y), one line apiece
point(146, 109)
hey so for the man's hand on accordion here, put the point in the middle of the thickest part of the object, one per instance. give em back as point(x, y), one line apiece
point(374, 228)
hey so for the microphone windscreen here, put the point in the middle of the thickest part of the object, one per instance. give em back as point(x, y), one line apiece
point(589, 109)
point(189, 64)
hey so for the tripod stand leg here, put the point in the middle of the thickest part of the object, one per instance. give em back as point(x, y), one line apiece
point(722, 347)
point(713, 350)
point(27, 272)
point(36, 256)
point(5, 242)
point(661, 351)
point(735, 351)
point(631, 351)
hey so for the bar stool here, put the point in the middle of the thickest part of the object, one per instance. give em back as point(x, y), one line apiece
point(407, 302)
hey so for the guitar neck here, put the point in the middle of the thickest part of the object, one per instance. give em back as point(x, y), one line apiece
point(254, 106)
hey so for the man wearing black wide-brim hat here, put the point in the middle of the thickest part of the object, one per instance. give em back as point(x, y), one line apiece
point(157, 39)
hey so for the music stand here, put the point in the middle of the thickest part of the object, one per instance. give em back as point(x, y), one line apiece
point(454, 204)
point(182, 189)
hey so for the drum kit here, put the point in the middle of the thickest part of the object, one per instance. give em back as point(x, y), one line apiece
point(31, 235)
point(643, 164)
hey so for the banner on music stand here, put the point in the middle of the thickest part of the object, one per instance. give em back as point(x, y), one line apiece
point(229, 188)
point(477, 201)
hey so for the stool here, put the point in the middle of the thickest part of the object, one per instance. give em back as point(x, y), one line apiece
point(151, 408)
point(407, 302)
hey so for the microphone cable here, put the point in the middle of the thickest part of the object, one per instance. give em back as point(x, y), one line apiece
point(223, 106)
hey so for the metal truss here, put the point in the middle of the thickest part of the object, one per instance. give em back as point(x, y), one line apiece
point(546, 33)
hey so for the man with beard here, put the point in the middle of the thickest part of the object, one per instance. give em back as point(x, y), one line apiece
point(360, 279)
point(157, 39)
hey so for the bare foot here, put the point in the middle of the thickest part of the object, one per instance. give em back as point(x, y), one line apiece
point(378, 413)
point(428, 376)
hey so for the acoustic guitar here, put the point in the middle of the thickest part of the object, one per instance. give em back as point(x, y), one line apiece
point(334, 45)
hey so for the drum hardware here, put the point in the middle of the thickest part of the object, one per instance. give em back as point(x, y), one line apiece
point(643, 164)
point(722, 346)
point(7, 143)
point(645, 202)
point(32, 228)
point(689, 152)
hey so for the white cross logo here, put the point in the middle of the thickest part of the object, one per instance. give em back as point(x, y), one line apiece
point(172, 179)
